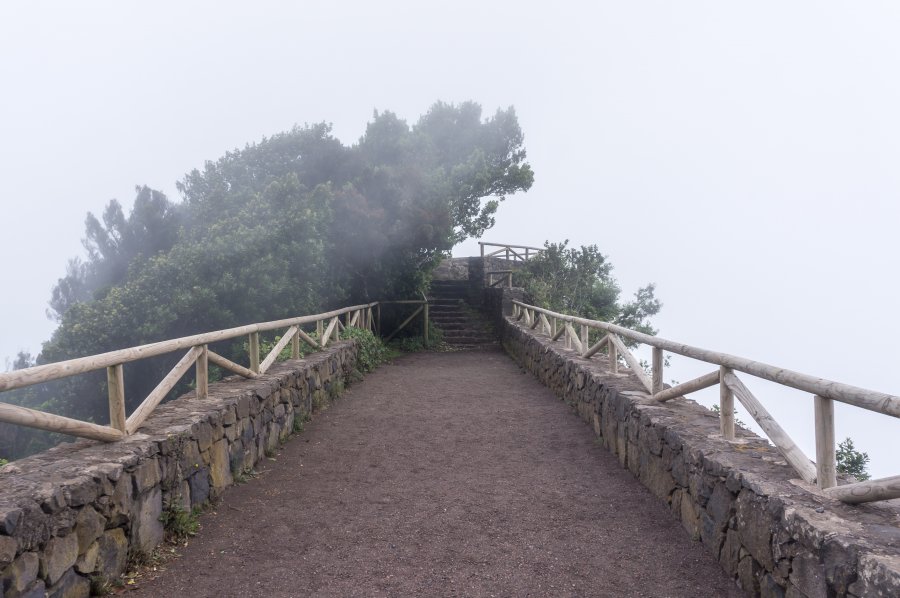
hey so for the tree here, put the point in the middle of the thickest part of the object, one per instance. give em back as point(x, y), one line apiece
point(852, 461)
point(295, 224)
point(579, 282)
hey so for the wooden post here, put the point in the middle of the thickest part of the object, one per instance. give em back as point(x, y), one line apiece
point(657, 370)
point(613, 355)
point(482, 252)
point(115, 381)
point(425, 321)
point(202, 371)
point(552, 328)
point(509, 280)
point(295, 345)
point(254, 352)
point(378, 311)
point(320, 328)
point(826, 466)
point(584, 340)
point(726, 406)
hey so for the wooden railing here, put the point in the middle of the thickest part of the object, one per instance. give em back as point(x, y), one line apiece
point(504, 276)
point(521, 253)
point(327, 326)
point(824, 392)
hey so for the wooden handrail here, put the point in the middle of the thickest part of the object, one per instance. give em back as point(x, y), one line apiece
point(845, 393)
point(198, 353)
point(824, 391)
point(71, 367)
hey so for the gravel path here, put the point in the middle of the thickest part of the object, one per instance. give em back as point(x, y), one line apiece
point(443, 474)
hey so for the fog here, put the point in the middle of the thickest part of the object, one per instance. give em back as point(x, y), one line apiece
point(742, 157)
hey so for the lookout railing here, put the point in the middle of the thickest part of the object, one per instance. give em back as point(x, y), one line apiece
point(510, 253)
point(327, 327)
point(823, 473)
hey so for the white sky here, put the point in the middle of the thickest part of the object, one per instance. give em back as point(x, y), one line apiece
point(743, 156)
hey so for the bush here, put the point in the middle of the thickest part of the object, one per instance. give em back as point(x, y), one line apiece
point(372, 351)
point(852, 461)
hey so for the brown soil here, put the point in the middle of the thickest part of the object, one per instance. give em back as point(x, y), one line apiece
point(443, 474)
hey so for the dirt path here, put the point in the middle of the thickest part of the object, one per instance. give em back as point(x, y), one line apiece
point(444, 474)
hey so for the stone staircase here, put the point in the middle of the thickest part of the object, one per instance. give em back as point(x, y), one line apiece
point(463, 326)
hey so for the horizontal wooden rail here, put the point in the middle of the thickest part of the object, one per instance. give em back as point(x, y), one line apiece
point(845, 393)
point(31, 418)
point(825, 391)
point(64, 369)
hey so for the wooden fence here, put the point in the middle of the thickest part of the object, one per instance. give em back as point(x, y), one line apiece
point(327, 326)
point(521, 253)
point(825, 392)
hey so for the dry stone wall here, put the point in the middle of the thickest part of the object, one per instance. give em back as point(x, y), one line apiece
point(79, 510)
point(774, 534)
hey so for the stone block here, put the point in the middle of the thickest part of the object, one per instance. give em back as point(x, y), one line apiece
point(203, 434)
point(87, 560)
point(58, 556)
point(8, 549)
point(808, 575)
point(112, 553)
point(71, 585)
point(220, 465)
point(769, 588)
point(690, 516)
point(21, 574)
point(89, 526)
point(146, 528)
point(199, 488)
point(755, 527)
point(749, 574)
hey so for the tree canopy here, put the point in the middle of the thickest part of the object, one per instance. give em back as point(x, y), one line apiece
point(579, 282)
point(296, 223)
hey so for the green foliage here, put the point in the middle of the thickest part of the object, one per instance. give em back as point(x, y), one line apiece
point(372, 351)
point(851, 461)
point(579, 282)
point(179, 523)
point(295, 224)
point(3, 462)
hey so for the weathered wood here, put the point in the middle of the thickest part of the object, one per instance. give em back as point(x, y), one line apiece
point(115, 382)
point(535, 320)
point(22, 416)
point(868, 491)
point(657, 370)
point(202, 373)
point(295, 344)
point(378, 320)
point(726, 405)
point(307, 339)
point(573, 336)
point(596, 347)
point(486, 244)
point(253, 349)
point(686, 388)
point(327, 334)
point(404, 323)
point(425, 321)
point(583, 339)
point(613, 354)
point(354, 320)
point(845, 393)
point(826, 465)
point(156, 396)
point(553, 331)
point(320, 329)
point(789, 450)
point(229, 365)
point(281, 344)
point(632, 362)
point(545, 324)
point(72, 367)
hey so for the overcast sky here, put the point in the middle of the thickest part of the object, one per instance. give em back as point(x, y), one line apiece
point(743, 156)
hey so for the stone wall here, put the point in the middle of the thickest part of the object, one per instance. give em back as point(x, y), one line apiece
point(776, 535)
point(81, 509)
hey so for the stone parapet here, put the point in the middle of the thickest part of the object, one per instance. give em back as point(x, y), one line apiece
point(79, 510)
point(774, 534)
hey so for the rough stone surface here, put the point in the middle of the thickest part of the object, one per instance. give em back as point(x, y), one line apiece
point(775, 534)
point(79, 508)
